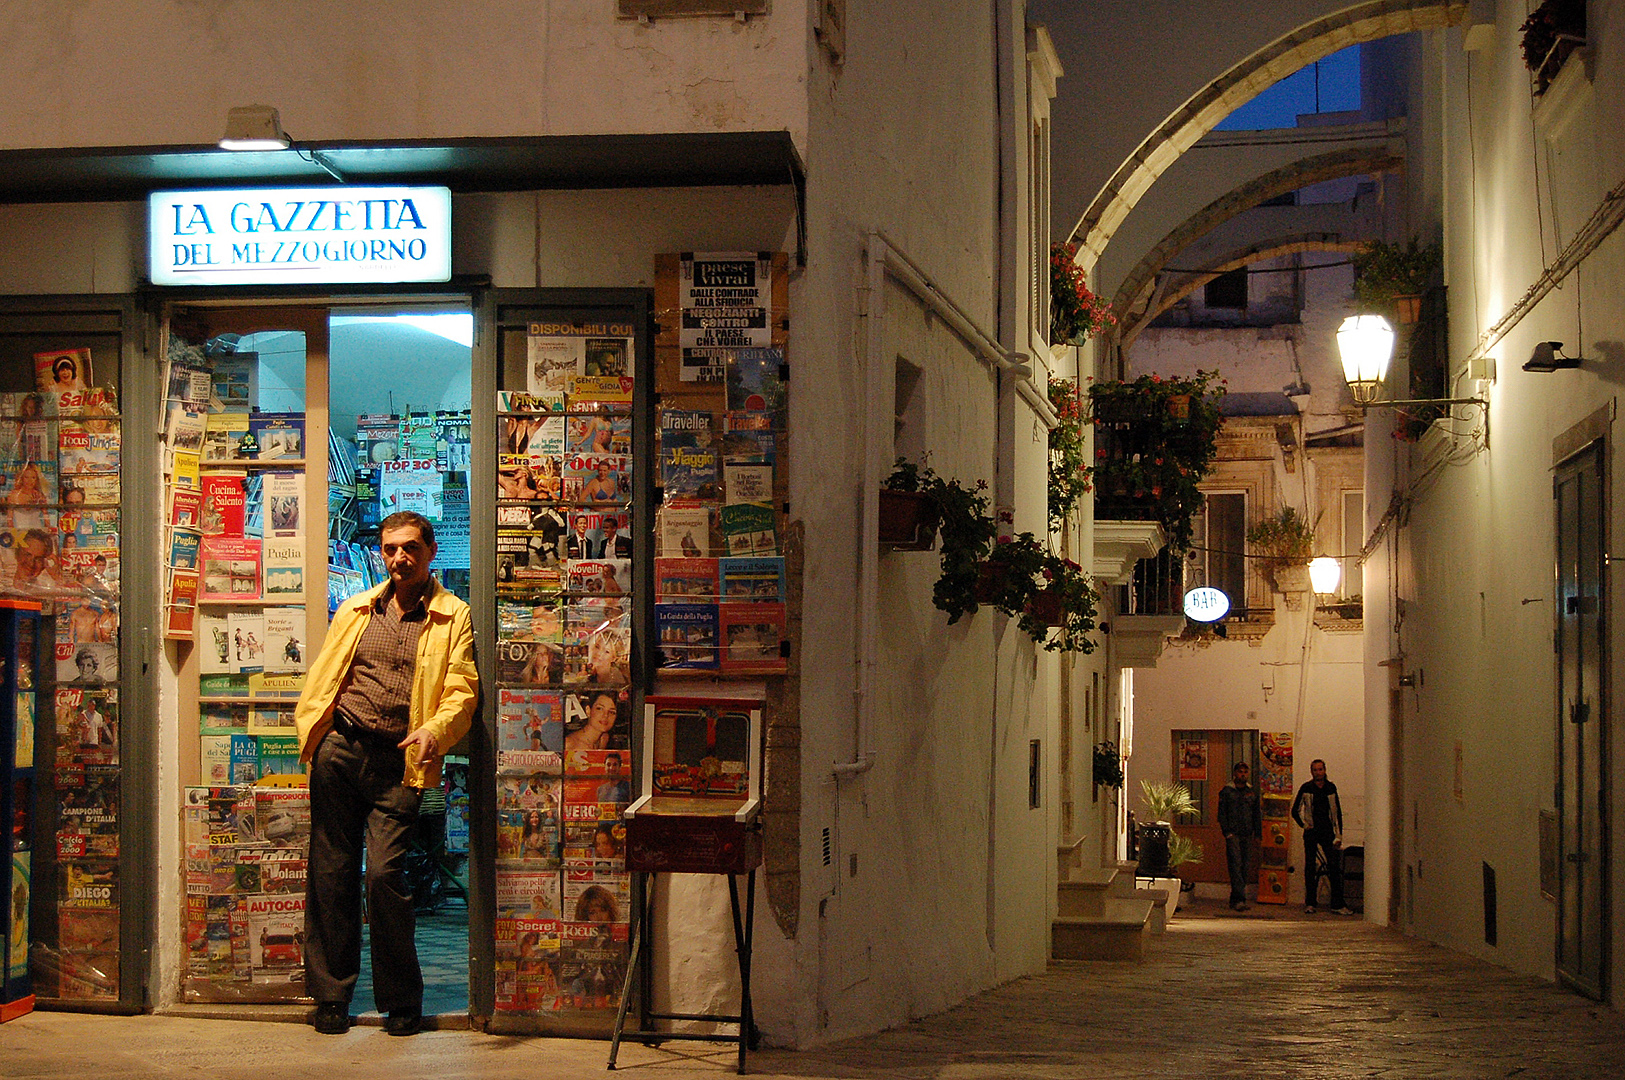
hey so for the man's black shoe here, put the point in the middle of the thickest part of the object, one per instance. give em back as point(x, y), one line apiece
point(332, 1017)
point(403, 1022)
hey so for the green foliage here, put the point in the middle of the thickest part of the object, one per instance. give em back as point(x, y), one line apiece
point(1182, 849)
point(1108, 765)
point(1547, 37)
point(1068, 467)
point(1075, 313)
point(1165, 801)
point(1383, 271)
point(1284, 540)
point(1155, 440)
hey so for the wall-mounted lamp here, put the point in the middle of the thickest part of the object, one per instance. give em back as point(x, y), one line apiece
point(1324, 574)
point(1366, 343)
point(258, 127)
point(1548, 357)
point(254, 127)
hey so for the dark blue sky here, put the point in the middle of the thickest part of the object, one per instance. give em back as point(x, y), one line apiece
point(1279, 106)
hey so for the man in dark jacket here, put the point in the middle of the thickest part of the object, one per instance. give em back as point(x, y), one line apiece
point(1242, 821)
point(1320, 815)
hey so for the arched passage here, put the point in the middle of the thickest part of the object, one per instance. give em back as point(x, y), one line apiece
point(1312, 170)
point(1190, 121)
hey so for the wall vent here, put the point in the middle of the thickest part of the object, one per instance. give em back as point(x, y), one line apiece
point(828, 855)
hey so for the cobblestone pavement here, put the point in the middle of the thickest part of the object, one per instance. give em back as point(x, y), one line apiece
point(1267, 994)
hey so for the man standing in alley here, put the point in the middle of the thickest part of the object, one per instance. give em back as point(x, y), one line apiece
point(1242, 822)
point(393, 689)
point(1320, 815)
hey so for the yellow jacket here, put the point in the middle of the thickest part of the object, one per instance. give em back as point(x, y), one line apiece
point(445, 685)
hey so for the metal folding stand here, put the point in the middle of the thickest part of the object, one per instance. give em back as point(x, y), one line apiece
point(638, 963)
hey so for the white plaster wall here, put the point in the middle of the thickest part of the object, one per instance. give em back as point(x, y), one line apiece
point(161, 72)
point(1481, 533)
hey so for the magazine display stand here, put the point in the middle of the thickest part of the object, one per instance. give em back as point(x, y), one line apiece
point(699, 814)
point(19, 680)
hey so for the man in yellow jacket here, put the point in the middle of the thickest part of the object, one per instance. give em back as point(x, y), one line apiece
point(393, 689)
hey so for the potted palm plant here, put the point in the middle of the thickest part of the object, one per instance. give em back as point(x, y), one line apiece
point(1160, 845)
point(1286, 543)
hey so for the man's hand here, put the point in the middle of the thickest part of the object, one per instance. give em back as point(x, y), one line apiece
point(428, 746)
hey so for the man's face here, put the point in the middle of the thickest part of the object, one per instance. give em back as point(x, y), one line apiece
point(1318, 771)
point(609, 529)
point(1241, 773)
point(31, 557)
point(612, 766)
point(581, 526)
point(406, 556)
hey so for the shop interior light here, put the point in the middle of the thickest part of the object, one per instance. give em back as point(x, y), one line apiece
point(1324, 574)
point(254, 127)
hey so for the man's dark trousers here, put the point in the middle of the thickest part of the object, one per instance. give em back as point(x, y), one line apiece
point(1238, 851)
point(1313, 839)
point(357, 799)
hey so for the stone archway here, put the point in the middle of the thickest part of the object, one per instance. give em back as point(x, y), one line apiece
point(1356, 24)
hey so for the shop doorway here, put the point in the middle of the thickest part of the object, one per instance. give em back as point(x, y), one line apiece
point(327, 418)
point(1203, 760)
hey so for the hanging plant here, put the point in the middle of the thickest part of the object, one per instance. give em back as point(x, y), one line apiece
point(1155, 439)
point(1075, 313)
point(1383, 272)
point(1283, 540)
point(1550, 33)
point(1108, 765)
point(1069, 468)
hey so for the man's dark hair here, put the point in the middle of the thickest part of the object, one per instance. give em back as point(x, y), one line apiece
point(1318, 761)
point(42, 536)
point(1241, 765)
point(402, 518)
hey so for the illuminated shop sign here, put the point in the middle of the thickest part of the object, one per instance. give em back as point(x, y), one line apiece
point(278, 236)
point(1206, 604)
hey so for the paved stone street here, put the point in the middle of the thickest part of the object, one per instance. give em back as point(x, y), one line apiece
point(1267, 994)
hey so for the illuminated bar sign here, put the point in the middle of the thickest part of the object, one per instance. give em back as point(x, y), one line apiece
point(279, 236)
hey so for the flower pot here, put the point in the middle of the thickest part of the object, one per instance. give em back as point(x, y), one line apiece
point(1407, 309)
point(1292, 579)
point(989, 579)
point(908, 520)
point(1047, 607)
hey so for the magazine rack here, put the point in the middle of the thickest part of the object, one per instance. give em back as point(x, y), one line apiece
point(699, 814)
point(19, 669)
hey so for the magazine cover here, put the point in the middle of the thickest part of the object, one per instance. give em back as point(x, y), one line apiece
point(214, 643)
point(597, 478)
point(537, 618)
point(272, 720)
point(596, 721)
point(185, 508)
point(88, 618)
point(284, 568)
point(231, 568)
point(607, 577)
point(224, 503)
point(282, 499)
point(234, 380)
point(530, 663)
point(281, 870)
point(752, 578)
point(599, 534)
point(751, 636)
point(87, 817)
point(530, 720)
point(684, 578)
point(82, 448)
point(279, 754)
point(687, 635)
point(688, 472)
point(63, 370)
point(527, 893)
point(284, 639)
point(600, 393)
point(602, 656)
point(530, 477)
point(591, 968)
point(279, 436)
point(593, 896)
point(86, 665)
point(26, 489)
point(91, 530)
point(532, 436)
point(598, 434)
point(526, 560)
point(592, 843)
point(747, 482)
point(749, 529)
point(184, 431)
point(685, 529)
point(552, 362)
point(756, 382)
point(27, 440)
point(88, 883)
point(183, 549)
point(276, 937)
point(93, 402)
point(87, 725)
point(523, 401)
point(95, 489)
point(377, 438)
point(684, 427)
point(224, 434)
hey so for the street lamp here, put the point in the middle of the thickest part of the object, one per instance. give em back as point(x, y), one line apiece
point(1324, 574)
point(1366, 343)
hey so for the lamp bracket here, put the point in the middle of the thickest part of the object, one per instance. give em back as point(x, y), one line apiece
point(1425, 401)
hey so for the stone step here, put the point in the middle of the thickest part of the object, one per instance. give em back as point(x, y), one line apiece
point(1102, 893)
point(1121, 937)
point(1069, 858)
point(1159, 908)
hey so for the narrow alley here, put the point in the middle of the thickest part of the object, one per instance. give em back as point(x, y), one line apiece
point(1266, 994)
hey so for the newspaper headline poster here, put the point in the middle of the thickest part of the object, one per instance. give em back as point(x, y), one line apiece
point(418, 486)
point(559, 355)
point(1275, 797)
point(724, 298)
